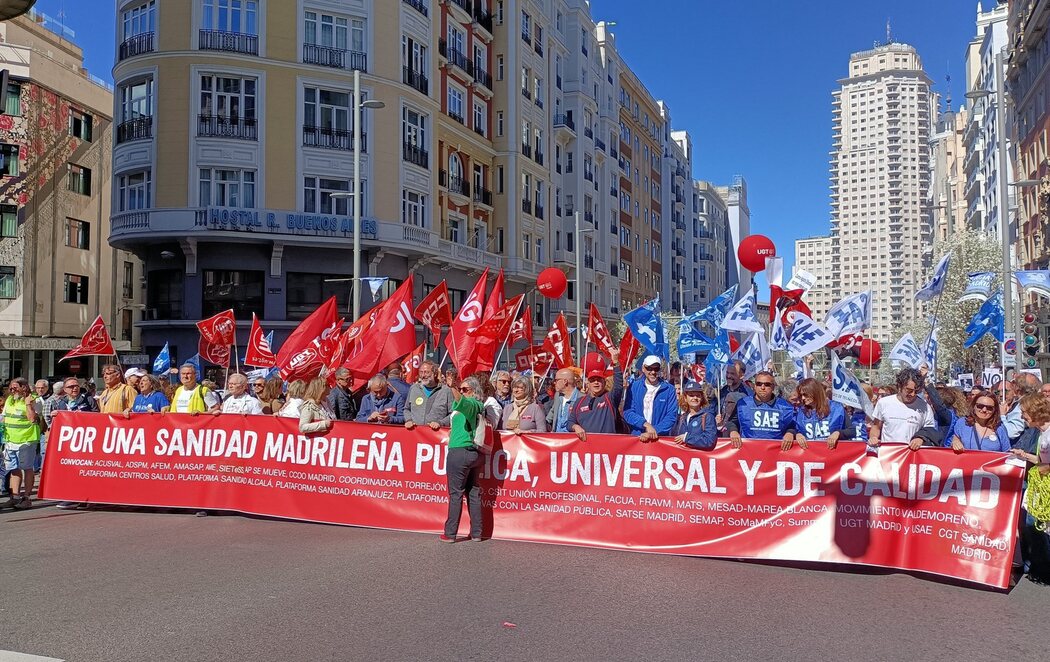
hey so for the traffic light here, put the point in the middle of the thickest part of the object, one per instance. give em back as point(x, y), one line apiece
point(1030, 342)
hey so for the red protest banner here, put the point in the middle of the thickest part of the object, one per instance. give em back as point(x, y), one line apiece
point(932, 511)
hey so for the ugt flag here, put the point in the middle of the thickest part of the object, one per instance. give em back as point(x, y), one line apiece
point(96, 342)
point(162, 364)
point(907, 351)
point(935, 286)
point(647, 327)
point(850, 315)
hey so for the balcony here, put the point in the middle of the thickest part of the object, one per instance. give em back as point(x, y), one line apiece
point(539, 157)
point(482, 18)
point(137, 45)
point(588, 217)
point(482, 196)
point(415, 155)
point(140, 128)
point(217, 126)
point(526, 93)
point(328, 138)
point(417, 5)
point(231, 42)
point(614, 193)
point(483, 77)
point(526, 37)
point(538, 47)
point(455, 184)
point(526, 205)
point(587, 131)
point(539, 211)
point(526, 150)
point(336, 58)
point(457, 58)
point(588, 175)
point(415, 80)
point(456, 116)
point(599, 144)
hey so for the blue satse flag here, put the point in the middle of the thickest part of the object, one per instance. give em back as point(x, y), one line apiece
point(988, 319)
point(162, 364)
point(935, 286)
point(716, 310)
point(647, 327)
point(978, 286)
point(691, 341)
point(195, 361)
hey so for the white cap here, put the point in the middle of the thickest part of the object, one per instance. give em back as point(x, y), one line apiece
point(134, 372)
point(651, 359)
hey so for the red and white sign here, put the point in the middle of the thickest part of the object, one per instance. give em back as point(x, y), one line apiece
point(932, 511)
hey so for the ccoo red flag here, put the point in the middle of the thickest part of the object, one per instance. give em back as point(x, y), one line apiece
point(558, 343)
point(390, 336)
point(219, 329)
point(435, 310)
point(521, 329)
point(410, 366)
point(217, 354)
point(299, 357)
point(258, 354)
point(537, 358)
point(497, 326)
point(598, 332)
point(459, 344)
point(96, 342)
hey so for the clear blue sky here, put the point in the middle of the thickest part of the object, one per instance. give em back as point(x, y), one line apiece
point(751, 81)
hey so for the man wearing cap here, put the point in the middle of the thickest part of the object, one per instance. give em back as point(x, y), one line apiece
point(565, 397)
point(650, 406)
point(132, 377)
point(597, 410)
point(117, 396)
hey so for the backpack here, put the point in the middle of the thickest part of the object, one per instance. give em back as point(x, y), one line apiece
point(483, 436)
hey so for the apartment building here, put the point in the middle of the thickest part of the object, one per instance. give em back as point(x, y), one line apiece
point(709, 244)
point(814, 254)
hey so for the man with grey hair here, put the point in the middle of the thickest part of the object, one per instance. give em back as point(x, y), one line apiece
point(502, 383)
point(341, 399)
point(429, 401)
point(238, 401)
point(381, 404)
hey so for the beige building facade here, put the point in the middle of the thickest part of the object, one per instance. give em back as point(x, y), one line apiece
point(814, 254)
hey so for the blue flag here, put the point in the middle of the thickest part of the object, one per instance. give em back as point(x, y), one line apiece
point(691, 341)
point(988, 319)
point(1036, 281)
point(162, 364)
point(717, 310)
point(720, 348)
point(647, 327)
point(713, 371)
point(935, 286)
point(978, 286)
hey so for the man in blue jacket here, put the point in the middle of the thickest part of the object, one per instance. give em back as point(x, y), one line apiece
point(382, 404)
point(763, 415)
point(650, 406)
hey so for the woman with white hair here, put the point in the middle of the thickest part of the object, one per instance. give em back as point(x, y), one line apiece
point(382, 403)
point(522, 414)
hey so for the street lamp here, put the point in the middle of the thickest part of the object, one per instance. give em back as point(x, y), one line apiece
point(579, 268)
point(358, 105)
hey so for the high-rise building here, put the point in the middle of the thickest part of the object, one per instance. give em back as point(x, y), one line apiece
point(709, 243)
point(681, 290)
point(880, 179)
point(948, 187)
point(813, 254)
point(738, 219)
point(981, 138)
point(57, 271)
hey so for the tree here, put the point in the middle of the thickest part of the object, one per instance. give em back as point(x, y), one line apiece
point(972, 250)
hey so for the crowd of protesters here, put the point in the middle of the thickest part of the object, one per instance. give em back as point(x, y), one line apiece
point(1014, 421)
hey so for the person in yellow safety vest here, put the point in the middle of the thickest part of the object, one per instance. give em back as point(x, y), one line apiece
point(21, 439)
point(193, 398)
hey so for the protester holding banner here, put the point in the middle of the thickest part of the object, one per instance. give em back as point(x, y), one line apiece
point(597, 410)
point(502, 381)
point(983, 429)
point(193, 398)
point(817, 417)
point(294, 401)
point(763, 415)
point(566, 394)
point(523, 413)
point(150, 398)
point(117, 397)
point(314, 417)
point(429, 401)
point(463, 465)
point(74, 399)
point(381, 404)
point(904, 417)
point(21, 442)
point(341, 400)
point(696, 426)
point(1035, 540)
point(393, 375)
point(650, 406)
point(238, 400)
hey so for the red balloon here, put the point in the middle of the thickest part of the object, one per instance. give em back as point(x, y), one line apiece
point(869, 353)
point(754, 250)
point(552, 282)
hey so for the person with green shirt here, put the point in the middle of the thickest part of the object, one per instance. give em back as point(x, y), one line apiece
point(21, 441)
point(463, 466)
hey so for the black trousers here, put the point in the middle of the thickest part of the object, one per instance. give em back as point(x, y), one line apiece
point(462, 470)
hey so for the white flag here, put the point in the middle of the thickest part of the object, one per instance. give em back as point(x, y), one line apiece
point(742, 316)
point(851, 315)
point(775, 271)
point(778, 339)
point(935, 286)
point(845, 387)
point(806, 336)
point(801, 280)
point(907, 351)
point(754, 353)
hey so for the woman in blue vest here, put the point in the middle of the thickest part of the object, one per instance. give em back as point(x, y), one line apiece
point(696, 426)
point(983, 429)
point(817, 416)
point(763, 415)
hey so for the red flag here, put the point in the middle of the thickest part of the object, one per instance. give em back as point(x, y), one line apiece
point(96, 342)
point(410, 366)
point(217, 354)
point(435, 310)
point(537, 359)
point(258, 354)
point(299, 356)
point(496, 297)
point(598, 332)
point(219, 329)
point(521, 329)
point(497, 326)
point(460, 345)
point(786, 299)
point(390, 336)
point(557, 342)
point(629, 347)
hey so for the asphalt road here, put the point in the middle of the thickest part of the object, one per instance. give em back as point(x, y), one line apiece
point(130, 585)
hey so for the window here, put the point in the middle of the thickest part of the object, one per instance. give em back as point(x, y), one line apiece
point(455, 104)
point(164, 294)
point(7, 283)
point(78, 234)
point(327, 109)
point(76, 289)
point(480, 125)
point(228, 98)
point(413, 54)
point(139, 20)
point(8, 221)
point(456, 39)
point(307, 291)
point(80, 125)
point(134, 191)
point(499, 123)
point(499, 67)
point(8, 160)
point(13, 107)
point(317, 196)
point(526, 246)
point(413, 208)
point(79, 179)
point(240, 290)
point(136, 99)
point(414, 128)
point(455, 229)
point(231, 16)
point(129, 280)
point(227, 188)
point(333, 32)
point(526, 25)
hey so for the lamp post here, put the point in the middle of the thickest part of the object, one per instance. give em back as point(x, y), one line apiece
point(579, 268)
point(358, 105)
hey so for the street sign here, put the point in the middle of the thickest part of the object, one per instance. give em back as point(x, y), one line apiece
point(1010, 345)
point(74, 365)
